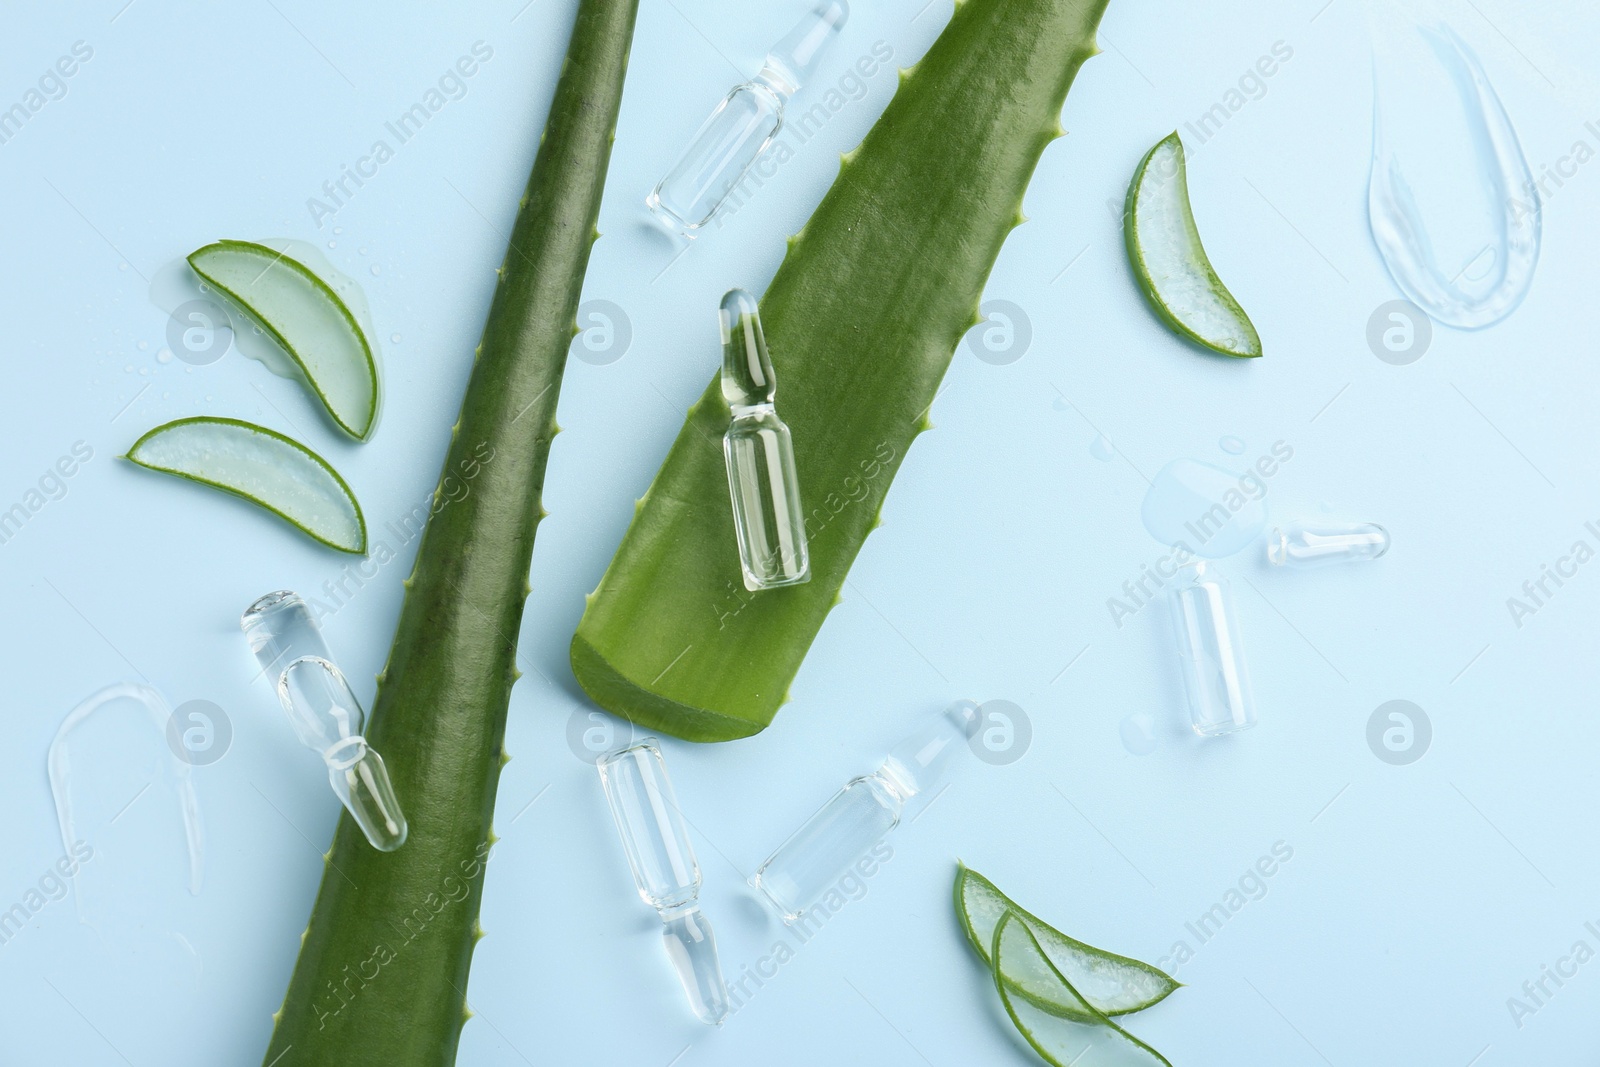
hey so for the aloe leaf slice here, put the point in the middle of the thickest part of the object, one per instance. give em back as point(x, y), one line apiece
point(265, 468)
point(1171, 264)
point(1087, 1037)
point(1112, 984)
point(306, 318)
point(862, 319)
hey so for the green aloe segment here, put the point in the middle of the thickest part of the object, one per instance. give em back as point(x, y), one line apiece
point(1171, 264)
point(861, 319)
point(306, 318)
point(262, 466)
point(1085, 1037)
point(1112, 984)
point(382, 973)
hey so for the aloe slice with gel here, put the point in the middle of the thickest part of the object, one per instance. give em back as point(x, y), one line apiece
point(265, 468)
point(306, 318)
point(1085, 1038)
point(1109, 983)
point(1170, 262)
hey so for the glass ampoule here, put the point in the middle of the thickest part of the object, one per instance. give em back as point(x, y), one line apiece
point(1211, 657)
point(743, 125)
point(324, 712)
point(768, 518)
point(1306, 544)
point(821, 852)
point(655, 837)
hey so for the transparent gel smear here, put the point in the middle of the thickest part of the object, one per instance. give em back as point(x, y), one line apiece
point(325, 714)
point(1211, 658)
point(743, 125)
point(1319, 544)
point(655, 838)
point(845, 829)
point(1451, 201)
point(768, 517)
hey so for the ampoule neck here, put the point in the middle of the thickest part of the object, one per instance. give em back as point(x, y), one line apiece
point(795, 59)
point(748, 380)
point(901, 787)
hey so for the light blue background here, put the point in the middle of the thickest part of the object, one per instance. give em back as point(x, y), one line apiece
point(1418, 898)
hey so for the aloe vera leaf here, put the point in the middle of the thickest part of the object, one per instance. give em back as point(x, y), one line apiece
point(862, 319)
point(1112, 984)
point(306, 318)
point(1170, 262)
point(262, 466)
point(1086, 1037)
point(382, 972)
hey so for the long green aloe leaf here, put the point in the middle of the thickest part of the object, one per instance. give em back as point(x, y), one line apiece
point(382, 973)
point(862, 319)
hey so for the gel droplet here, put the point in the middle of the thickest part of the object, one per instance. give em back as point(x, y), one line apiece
point(1102, 449)
point(1211, 511)
point(1233, 446)
point(164, 356)
point(394, 338)
point(377, 269)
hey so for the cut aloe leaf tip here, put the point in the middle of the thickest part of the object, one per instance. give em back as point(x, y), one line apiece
point(262, 466)
point(1171, 264)
point(1112, 984)
point(1086, 1037)
point(306, 318)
